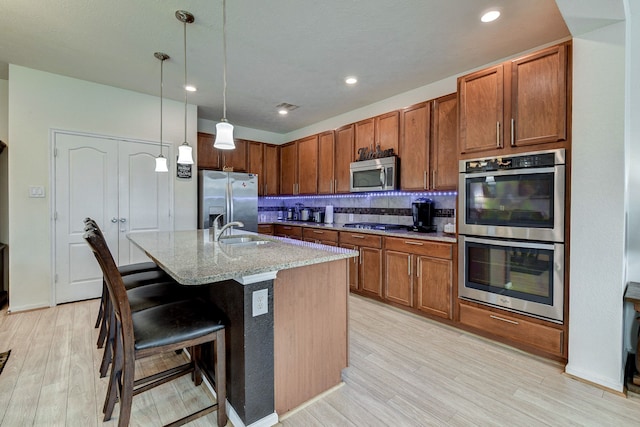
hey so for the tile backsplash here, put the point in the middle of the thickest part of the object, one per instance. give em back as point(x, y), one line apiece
point(375, 207)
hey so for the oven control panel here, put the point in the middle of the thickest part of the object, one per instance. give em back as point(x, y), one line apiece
point(521, 161)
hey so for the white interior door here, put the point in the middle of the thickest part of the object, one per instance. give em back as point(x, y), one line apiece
point(114, 183)
point(86, 185)
point(144, 198)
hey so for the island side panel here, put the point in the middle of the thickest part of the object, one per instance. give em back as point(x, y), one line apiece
point(310, 331)
point(249, 348)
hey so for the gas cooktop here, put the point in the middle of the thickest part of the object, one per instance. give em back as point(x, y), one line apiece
point(376, 226)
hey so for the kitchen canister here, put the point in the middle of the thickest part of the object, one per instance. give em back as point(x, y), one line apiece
point(328, 214)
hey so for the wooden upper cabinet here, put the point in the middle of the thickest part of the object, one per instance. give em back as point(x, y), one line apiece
point(383, 130)
point(444, 143)
point(344, 152)
point(207, 155)
point(212, 158)
point(365, 135)
point(480, 109)
point(388, 131)
point(308, 165)
point(539, 97)
point(236, 158)
point(289, 168)
point(255, 160)
point(515, 105)
point(325, 162)
point(271, 170)
point(414, 147)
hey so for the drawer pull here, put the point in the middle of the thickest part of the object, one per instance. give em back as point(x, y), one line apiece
point(318, 232)
point(356, 236)
point(286, 228)
point(413, 243)
point(503, 319)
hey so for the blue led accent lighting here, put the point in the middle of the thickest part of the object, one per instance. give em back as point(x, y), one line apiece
point(364, 195)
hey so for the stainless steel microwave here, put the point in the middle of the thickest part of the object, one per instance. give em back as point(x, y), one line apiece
point(374, 175)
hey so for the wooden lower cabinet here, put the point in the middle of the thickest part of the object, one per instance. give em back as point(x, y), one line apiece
point(325, 237)
point(290, 231)
point(265, 229)
point(352, 267)
point(515, 329)
point(419, 274)
point(366, 277)
point(399, 278)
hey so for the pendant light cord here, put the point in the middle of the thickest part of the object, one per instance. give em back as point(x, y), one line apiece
point(185, 82)
point(161, 84)
point(224, 58)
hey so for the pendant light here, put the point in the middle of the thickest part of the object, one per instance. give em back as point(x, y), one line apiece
point(224, 129)
point(184, 150)
point(161, 161)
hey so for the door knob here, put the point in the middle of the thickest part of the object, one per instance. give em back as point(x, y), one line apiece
point(114, 220)
point(123, 219)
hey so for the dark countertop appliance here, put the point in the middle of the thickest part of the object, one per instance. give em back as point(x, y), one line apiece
point(423, 211)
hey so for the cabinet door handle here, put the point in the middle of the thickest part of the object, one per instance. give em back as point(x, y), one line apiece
point(360, 255)
point(424, 180)
point(503, 319)
point(433, 179)
point(498, 134)
point(513, 131)
point(418, 268)
point(409, 265)
point(412, 243)
point(356, 236)
point(335, 185)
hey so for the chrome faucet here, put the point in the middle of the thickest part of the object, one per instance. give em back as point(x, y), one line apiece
point(217, 230)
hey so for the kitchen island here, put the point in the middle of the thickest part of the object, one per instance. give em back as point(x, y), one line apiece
point(286, 306)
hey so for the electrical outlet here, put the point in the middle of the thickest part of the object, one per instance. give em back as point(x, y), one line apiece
point(260, 302)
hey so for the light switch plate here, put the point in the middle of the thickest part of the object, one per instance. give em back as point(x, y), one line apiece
point(36, 191)
point(260, 302)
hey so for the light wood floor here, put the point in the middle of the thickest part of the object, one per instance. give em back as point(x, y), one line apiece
point(404, 371)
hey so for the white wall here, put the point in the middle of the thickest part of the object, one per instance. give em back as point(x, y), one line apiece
point(632, 128)
point(4, 175)
point(598, 208)
point(41, 101)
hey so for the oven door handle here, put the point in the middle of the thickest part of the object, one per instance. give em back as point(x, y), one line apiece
point(512, 243)
point(528, 171)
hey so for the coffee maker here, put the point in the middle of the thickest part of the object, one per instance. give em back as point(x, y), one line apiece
point(423, 211)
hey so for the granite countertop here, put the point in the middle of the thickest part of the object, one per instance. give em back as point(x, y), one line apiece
point(436, 237)
point(192, 257)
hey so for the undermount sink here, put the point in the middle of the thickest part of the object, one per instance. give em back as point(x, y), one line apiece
point(243, 240)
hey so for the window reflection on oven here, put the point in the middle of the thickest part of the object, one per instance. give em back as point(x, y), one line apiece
point(518, 272)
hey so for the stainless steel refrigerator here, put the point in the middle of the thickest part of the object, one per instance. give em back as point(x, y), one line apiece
point(233, 195)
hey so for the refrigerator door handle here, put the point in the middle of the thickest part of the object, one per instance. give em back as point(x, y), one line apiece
point(230, 201)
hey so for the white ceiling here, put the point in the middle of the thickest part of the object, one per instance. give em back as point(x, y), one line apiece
point(290, 51)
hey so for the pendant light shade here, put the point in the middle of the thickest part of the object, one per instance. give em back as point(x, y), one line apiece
point(161, 164)
point(224, 136)
point(224, 129)
point(184, 154)
point(161, 161)
point(184, 150)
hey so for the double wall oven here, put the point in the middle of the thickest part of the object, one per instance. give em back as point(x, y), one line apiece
point(511, 233)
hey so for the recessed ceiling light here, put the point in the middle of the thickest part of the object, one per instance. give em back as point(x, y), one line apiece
point(351, 80)
point(190, 88)
point(490, 16)
point(285, 107)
